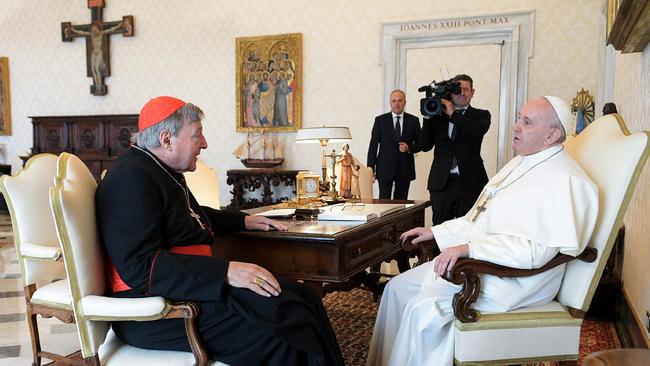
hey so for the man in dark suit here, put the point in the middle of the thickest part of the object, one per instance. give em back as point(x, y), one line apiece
point(457, 173)
point(396, 134)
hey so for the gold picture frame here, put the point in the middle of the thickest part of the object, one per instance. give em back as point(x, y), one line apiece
point(627, 25)
point(5, 102)
point(612, 8)
point(269, 83)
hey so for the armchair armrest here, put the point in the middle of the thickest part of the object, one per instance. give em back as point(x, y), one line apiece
point(40, 252)
point(106, 308)
point(425, 250)
point(466, 272)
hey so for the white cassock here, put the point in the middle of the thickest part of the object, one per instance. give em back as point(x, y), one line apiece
point(539, 205)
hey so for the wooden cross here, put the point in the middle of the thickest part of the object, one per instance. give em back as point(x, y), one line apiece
point(96, 34)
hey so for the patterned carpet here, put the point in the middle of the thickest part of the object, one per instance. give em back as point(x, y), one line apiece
point(353, 314)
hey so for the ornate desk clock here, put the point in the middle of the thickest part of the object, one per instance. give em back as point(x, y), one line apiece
point(307, 185)
point(307, 192)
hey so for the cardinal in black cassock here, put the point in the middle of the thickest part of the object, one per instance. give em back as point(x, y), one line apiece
point(158, 240)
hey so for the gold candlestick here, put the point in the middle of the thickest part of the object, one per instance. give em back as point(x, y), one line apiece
point(333, 195)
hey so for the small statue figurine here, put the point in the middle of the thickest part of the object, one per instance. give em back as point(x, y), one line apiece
point(348, 168)
point(356, 190)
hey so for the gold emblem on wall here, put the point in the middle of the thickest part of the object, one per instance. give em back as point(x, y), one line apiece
point(583, 107)
point(269, 83)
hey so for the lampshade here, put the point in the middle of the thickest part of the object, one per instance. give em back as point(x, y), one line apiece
point(316, 134)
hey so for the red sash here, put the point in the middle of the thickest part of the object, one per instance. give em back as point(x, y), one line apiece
point(117, 284)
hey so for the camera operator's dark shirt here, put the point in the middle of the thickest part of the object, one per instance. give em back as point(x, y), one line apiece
point(471, 126)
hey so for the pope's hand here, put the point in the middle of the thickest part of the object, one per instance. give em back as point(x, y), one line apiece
point(253, 277)
point(419, 234)
point(446, 260)
point(262, 223)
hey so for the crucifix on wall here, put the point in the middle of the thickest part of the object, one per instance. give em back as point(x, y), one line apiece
point(96, 34)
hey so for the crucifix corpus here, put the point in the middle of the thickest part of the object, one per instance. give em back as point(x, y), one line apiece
point(96, 34)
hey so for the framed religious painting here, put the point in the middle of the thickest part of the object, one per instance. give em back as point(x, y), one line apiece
point(269, 83)
point(5, 110)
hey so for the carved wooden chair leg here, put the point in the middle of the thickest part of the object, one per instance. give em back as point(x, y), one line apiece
point(190, 313)
point(36, 342)
point(33, 325)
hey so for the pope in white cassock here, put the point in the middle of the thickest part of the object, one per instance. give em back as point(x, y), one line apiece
point(540, 204)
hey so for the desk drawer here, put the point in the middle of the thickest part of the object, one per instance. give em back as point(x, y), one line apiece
point(371, 247)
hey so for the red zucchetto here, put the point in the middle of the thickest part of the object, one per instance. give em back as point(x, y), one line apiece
point(157, 109)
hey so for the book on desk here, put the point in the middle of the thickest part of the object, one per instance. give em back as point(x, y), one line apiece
point(343, 211)
point(357, 212)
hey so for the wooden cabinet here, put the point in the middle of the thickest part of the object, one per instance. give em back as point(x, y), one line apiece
point(97, 140)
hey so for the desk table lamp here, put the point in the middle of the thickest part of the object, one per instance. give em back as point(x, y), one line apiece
point(325, 135)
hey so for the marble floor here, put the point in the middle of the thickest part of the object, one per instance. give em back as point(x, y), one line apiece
point(15, 343)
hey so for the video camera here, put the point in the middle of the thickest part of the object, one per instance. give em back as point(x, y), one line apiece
point(431, 105)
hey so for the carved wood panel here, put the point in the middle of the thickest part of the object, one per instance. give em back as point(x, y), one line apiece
point(96, 140)
point(120, 131)
point(50, 137)
point(87, 137)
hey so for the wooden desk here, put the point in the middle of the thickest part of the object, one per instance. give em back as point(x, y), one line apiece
point(323, 251)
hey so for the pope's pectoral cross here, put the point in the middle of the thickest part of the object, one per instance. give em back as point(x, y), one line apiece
point(481, 204)
point(96, 34)
point(477, 211)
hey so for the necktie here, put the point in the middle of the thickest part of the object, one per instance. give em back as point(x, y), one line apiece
point(454, 128)
point(454, 132)
point(398, 128)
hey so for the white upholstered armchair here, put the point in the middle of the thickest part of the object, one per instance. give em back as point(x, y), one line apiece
point(37, 247)
point(73, 206)
point(613, 158)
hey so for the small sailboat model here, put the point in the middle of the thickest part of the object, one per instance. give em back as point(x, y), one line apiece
point(258, 151)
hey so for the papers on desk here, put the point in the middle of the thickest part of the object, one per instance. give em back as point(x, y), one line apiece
point(357, 212)
point(341, 211)
point(277, 213)
point(345, 216)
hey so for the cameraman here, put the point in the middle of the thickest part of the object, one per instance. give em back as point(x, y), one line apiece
point(396, 135)
point(457, 173)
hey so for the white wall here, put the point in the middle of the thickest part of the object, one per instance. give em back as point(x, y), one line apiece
point(632, 97)
point(186, 48)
